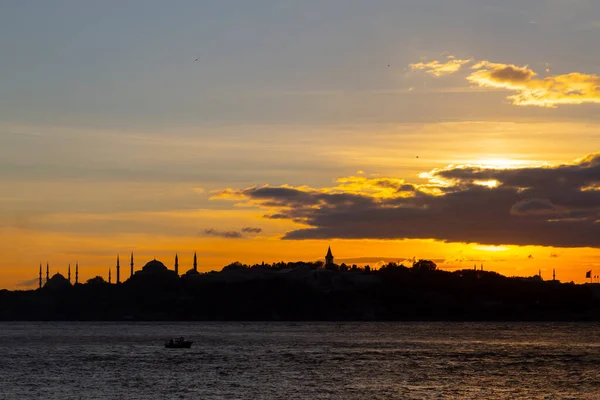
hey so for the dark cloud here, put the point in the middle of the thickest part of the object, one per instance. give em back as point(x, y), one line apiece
point(551, 206)
point(534, 206)
point(223, 234)
point(396, 184)
point(277, 216)
point(511, 73)
point(251, 230)
point(232, 234)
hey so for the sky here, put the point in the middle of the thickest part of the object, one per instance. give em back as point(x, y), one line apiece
point(461, 131)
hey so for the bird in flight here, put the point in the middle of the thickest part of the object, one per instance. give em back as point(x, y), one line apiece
point(197, 59)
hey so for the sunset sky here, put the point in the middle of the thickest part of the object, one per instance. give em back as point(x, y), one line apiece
point(466, 132)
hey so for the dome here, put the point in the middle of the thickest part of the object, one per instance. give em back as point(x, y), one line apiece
point(57, 282)
point(154, 267)
point(192, 272)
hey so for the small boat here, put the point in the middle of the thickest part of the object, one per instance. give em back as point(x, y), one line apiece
point(178, 343)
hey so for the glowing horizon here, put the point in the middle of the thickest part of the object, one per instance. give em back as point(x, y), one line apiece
point(384, 129)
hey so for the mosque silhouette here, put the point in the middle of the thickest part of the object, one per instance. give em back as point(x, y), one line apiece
point(152, 270)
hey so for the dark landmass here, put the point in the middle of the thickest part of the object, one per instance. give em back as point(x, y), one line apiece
point(307, 292)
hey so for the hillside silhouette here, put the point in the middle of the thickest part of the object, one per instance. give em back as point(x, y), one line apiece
point(299, 291)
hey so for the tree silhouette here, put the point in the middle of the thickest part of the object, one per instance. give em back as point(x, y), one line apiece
point(424, 266)
point(97, 280)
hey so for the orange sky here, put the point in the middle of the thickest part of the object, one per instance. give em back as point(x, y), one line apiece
point(309, 121)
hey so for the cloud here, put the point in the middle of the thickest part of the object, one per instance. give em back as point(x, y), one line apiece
point(534, 206)
point(223, 234)
point(548, 206)
point(436, 68)
point(500, 74)
point(530, 90)
point(251, 230)
point(232, 234)
point(29, 283)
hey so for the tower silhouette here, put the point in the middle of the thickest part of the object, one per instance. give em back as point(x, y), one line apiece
point(195, 263)
point(40, 275)
point(108, 274)
point(47, 272)
point(176, 265)
point(131, 265)
point(118, 271)
point(77, 272)
point(553, 274)
point(329, 257)
point(69, 273)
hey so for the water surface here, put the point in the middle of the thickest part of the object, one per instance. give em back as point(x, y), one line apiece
point(300, 361)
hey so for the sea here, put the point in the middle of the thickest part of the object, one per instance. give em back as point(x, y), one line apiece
point(324, 360)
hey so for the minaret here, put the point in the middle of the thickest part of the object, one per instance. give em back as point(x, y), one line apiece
point(131, 265)
point(195, 263)
point(40, 275)
point(553, 274)
point(69, 273)
point(176, 265)
point(77, 272)
point(118, 271)
point(47, 272)
point(540, 274)
point(329, 257)
point(108, 274)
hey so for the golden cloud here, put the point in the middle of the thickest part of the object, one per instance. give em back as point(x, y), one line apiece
point(530, 90)
point(436, 68)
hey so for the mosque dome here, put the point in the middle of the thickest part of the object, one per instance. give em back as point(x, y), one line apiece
point(154, 267)
point(57, 282)
point(154, 271)
point(192, 272)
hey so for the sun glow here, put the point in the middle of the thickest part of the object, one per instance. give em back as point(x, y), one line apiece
point(491, 248)
point(492, 183)
point(503, 163)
